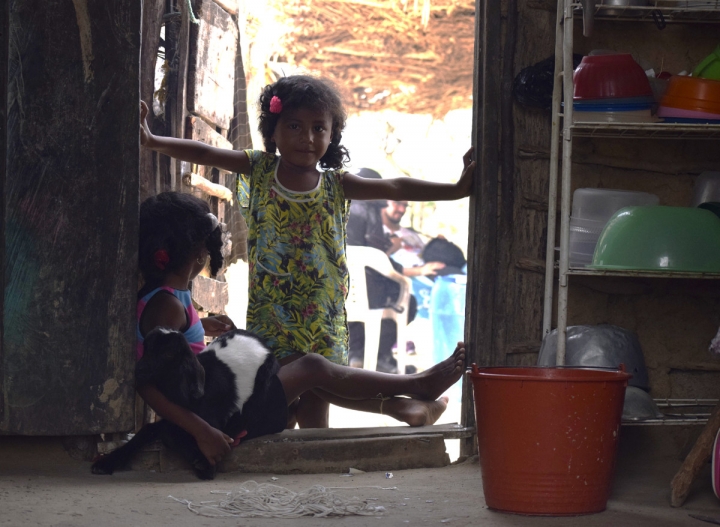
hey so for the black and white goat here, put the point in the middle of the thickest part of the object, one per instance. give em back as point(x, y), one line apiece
point(231, 384)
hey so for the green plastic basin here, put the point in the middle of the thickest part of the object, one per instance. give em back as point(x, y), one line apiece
point(660, 239)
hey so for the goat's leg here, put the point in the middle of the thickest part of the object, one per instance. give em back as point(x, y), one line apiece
point(120, 458)
point(184, 444)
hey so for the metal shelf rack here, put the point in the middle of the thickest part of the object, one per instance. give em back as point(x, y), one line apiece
point(679, 412)
point(646, 130)
point(669, 11)
point(629, 273)
point(564, 129)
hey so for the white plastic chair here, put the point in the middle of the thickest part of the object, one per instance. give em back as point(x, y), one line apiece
point(358, 308)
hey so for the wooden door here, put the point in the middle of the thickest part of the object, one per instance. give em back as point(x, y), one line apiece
point(69, 210)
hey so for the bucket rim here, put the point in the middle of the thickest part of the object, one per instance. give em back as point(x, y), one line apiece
point(604, 373)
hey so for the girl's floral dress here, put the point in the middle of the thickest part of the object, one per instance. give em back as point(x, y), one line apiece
point(296, 252)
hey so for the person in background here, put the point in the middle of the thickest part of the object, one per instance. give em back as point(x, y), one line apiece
point(407, 242)
point(410, 249)
point(365, 228)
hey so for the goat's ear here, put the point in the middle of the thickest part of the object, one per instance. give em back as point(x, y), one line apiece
point(189, 379)
point(144, 371)
point(198, 390)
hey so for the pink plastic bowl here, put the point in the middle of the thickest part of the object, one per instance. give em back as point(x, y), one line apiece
point(610, 76)
point(679, 113)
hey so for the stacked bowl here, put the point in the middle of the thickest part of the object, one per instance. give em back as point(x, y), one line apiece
point(611, 89)
point(591, 210)
point(660, 239)
point(691, 100)
point(709, 68)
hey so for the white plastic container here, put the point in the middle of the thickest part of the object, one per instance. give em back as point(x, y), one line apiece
point(591, 210)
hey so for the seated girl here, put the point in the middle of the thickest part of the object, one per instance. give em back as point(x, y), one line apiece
point(178, 238)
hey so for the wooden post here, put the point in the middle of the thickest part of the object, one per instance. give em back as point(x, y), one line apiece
point(695, 460)
point(70, 206)
point(482, 234)
point(153, 12)
point(177, 38)
point(4, 50)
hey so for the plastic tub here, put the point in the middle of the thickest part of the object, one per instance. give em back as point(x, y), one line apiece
point(709, 68)
point(584, 103)
point(691, 93)
point(600, 204)
point(585, 226)
point(622, 7)
point(611, 105)
point(584, 235)
point(591, 209)
point(660, 239)
point(610, 76)
point(666, 111)
point(547, 437)
point(581, 253)
point(631, 116)
point(706, 188)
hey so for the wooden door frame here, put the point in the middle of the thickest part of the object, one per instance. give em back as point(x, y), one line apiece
point(492, 106)
point(4, 64)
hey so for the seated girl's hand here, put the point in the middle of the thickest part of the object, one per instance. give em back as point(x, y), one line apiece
point(214, 444)
point(217, 325)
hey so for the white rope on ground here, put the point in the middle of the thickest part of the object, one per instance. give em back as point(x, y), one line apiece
point(266, 500)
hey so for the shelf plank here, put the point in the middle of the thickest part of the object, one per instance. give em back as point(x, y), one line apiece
point(646, 130)
point(672, 12)
point(573, 271)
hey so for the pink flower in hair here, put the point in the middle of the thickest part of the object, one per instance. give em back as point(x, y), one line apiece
point(275, 104)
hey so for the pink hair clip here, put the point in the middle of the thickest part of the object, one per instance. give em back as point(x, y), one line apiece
point(161, 259)
point(275, 104)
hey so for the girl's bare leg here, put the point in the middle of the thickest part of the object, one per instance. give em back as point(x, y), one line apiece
point(312, 411)
point(314, 371)
point(410, 411)
point(308, 410)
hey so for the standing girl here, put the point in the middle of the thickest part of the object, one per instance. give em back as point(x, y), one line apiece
point(296, 216)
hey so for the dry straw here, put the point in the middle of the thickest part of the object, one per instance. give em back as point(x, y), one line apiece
point(412, 56)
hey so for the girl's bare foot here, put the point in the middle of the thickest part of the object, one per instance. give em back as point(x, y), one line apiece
point(415, 412)
point(433, 382)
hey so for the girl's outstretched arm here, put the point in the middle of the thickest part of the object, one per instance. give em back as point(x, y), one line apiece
point(409, 189)
point(213, 443)
point(195, 152)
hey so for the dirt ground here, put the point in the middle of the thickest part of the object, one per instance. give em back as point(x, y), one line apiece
point(41, 485)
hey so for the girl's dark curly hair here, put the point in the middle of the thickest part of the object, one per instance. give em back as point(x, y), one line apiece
point(304, 91)
point(177, 223)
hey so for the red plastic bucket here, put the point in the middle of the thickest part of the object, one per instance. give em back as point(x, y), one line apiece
point(547, 437)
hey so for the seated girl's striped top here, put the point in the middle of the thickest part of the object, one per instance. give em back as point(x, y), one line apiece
point(194, 332)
